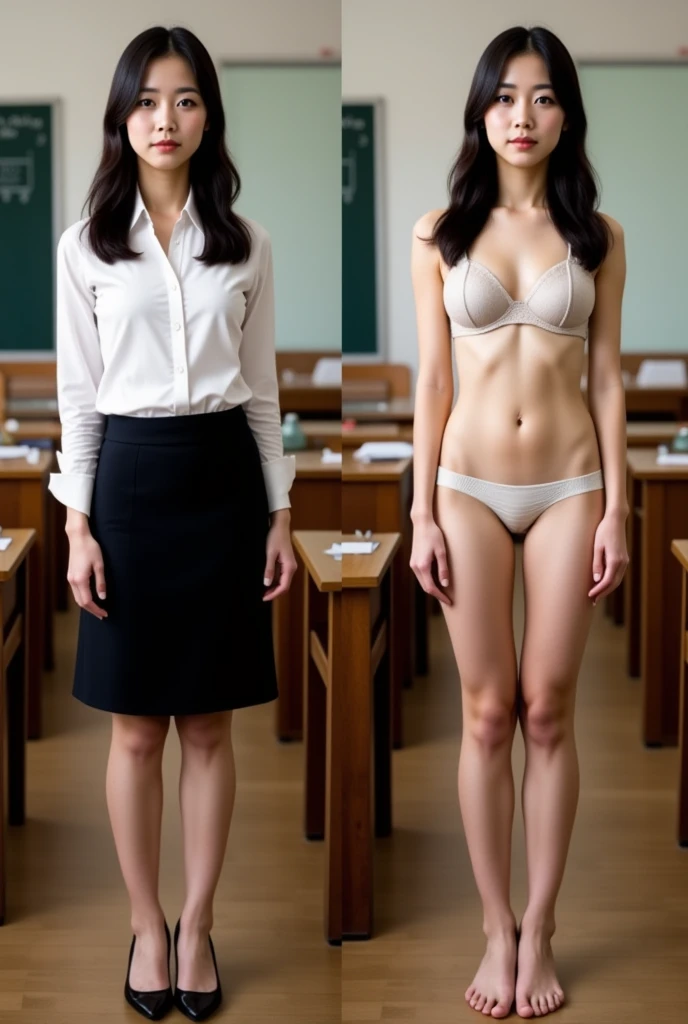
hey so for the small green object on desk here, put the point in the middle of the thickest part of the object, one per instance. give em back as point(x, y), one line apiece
point(679, 442)
point(293, 437)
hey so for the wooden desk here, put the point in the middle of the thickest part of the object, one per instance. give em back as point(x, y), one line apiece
point(395, 410)
point(367, 665)
point(648, 434)
point(377, 496)
point(16, 642)
point(300, 395)
point(657, 401)
point(323, 682)
point(315, 505)
point(323, 434)
point(658, 504)
point(679, 549)
point(32, 430)
point(24, 503)
point(354, 437)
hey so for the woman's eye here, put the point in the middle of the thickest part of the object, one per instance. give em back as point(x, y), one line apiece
point(146, 99)
point(505, 97)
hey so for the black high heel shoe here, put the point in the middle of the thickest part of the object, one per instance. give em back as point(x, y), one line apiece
point(196, 1005)
point(152, 1005)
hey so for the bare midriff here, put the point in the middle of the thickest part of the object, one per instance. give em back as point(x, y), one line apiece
point(520, 417)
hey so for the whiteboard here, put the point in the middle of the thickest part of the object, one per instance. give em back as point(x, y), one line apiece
point(283, 131)
point(638, 144)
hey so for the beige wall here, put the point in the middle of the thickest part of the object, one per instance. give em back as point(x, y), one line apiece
point(69, 49)
point(420, 58)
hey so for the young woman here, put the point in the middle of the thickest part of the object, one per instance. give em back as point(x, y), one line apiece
point(522, 271)
point(173, 472)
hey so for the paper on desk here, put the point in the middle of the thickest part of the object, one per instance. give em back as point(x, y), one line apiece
point(5, 543)
point(672, 459)
point(14, 451)
point(353, 547)
point(374, 451)
point(328, 456)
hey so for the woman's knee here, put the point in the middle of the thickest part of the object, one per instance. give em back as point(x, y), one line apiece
point(547, 718)
point(204, 732)
point(490, 721)
point(140, 736)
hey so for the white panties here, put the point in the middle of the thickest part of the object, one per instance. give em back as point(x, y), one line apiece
point(517, 505)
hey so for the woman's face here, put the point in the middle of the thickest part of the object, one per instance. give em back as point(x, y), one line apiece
point(524, 104)
point(169, 106)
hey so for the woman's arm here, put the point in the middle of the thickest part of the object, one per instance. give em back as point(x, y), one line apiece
point(606, 397)
point(259, 371)
point(435, 382)
point(79, 371)
point(606, 401)
point(434, 396)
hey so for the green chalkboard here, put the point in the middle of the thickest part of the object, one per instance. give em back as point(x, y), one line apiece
point(362, 236)
point(27, 226)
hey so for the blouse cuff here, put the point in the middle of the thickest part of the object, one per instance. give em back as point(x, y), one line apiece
point(73, 490)
point(278, 475)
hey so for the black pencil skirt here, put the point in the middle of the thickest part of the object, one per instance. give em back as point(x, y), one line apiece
point(180, 511)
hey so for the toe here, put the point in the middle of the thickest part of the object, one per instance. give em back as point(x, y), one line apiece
point(481, 1002)
point(551, 1002)
point(544, 1008)
point(535, 1003)
point(501, 1010)
point(470, 992)
point(525, 1011)
point(489, 1003)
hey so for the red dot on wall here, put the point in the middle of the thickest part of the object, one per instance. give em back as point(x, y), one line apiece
point(326, 51)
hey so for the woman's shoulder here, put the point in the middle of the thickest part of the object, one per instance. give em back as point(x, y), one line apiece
point(613, 225)
point(74, 239)
point(425, 225)
point(259, 234)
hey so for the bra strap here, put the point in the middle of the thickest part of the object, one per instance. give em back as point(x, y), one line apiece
point(569, 254)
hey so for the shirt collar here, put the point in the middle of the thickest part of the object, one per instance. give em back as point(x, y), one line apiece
point(189, 208)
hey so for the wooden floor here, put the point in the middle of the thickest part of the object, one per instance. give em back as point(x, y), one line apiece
point(64, 948)
point(622, 916)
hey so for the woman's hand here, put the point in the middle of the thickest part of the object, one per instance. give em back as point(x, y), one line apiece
point(85, 559)
point(428, 548)
point(610, 556)
point(279, 556)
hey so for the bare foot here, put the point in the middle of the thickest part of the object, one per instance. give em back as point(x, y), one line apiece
point(196, 968)
point(537, 990)
point(492, 991)
point(149, 966)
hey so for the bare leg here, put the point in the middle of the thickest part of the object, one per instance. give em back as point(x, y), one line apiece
point(480, 552)
point(207, 787)
point(557, 577)
point(134, 798)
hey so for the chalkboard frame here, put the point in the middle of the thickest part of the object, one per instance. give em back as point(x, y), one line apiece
point(381, 355)
point(57, 109)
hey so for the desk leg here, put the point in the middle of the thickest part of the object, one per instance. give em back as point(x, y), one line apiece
point(632, 583)
point(33, 627)
point(683, 720)
point(382, 691)
point(357, 768)
point(399, 652)
point(314, 722)
point(333, 781)
point(16, 683)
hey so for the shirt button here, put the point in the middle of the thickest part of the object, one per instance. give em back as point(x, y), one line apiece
point(177, 327)
point(177, 242)
point(180, 369)
point(174, 287)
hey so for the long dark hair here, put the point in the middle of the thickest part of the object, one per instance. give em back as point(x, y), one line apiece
point(572, 193)
point(214, 178)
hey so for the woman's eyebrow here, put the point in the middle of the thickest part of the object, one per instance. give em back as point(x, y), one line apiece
point(183, 88)
point(510, 85)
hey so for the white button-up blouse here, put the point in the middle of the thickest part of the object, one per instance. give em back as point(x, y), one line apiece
point(164, 336)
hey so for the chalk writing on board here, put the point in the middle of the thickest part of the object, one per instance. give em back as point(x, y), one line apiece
point(349, 177)
point(10, 124)
point(16, 177)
